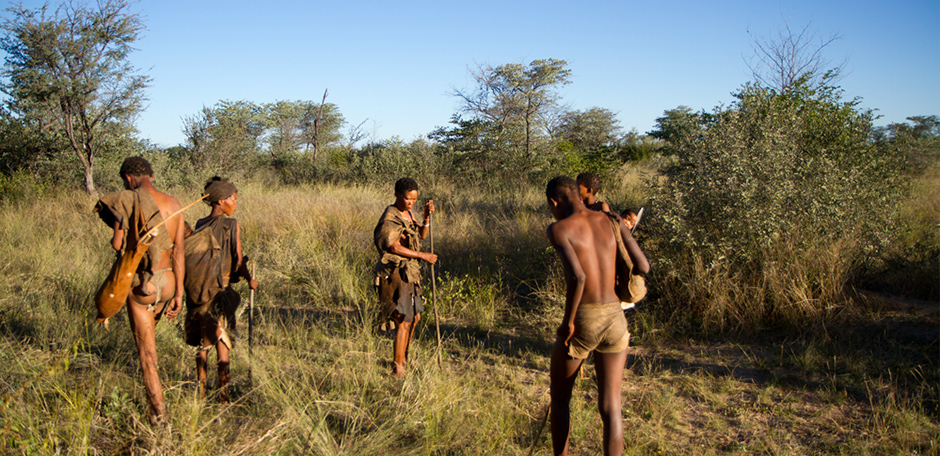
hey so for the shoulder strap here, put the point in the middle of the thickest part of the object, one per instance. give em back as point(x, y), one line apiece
point(621, 248)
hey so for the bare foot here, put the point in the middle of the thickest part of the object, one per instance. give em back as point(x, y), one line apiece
point(398, 370)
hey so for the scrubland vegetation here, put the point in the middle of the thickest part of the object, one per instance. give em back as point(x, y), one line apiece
point(793, 298)
point(818, 367)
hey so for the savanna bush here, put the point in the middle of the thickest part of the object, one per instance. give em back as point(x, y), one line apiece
point(770, 180)
point(393, 158)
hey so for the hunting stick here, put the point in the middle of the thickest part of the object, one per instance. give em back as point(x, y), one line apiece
point(437, 324)
point(251, 311)
point(153, 231)
point(541, 428)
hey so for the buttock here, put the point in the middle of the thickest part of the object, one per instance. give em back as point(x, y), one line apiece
point(163, 284)
point(599, 327)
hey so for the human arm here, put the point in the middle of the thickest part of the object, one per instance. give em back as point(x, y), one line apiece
point(179, 270)
point(117, 240)
point(641, 265)
point(575, 280)
point(403, 251)
point(242, 266)
point(426, 226)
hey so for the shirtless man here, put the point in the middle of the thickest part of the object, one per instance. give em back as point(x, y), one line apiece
point(593, 321)
point(158, 285)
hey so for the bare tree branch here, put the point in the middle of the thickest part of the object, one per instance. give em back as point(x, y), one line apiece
point(781, 61)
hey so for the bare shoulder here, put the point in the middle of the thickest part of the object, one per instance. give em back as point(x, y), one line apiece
point(550, 232)
point(566, 228)
point(558, 230)
point(601, 225)
point(605, 217)
point(165, 202)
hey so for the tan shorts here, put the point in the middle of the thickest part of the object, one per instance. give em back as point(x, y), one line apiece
point(599, 327)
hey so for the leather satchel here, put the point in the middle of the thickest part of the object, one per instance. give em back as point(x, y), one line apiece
point(630, 287)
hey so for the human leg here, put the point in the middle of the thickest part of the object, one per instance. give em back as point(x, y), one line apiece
point(202, 356)
point(400, 346)
point(144, 311)
point(609, 367)
point(562, 374)
point(142, 324)
point(411, 332)
point(222, 351)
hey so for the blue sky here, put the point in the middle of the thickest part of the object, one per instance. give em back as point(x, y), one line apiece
point(394, 64)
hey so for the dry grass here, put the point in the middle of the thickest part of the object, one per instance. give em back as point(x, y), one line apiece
point(317, 382)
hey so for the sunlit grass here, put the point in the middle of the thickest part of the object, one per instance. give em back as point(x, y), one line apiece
point(316, 381)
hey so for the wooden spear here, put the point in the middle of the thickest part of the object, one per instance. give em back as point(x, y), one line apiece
point(251, 312)
point(437, 324)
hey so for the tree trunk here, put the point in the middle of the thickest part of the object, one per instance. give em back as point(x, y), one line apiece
point(90, 179)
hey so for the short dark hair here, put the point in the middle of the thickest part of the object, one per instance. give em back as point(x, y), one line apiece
point(590, 180)
point(562, 188)
point(404, 185)
point(136, 166)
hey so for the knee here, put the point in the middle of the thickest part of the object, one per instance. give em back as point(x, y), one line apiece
point(560, 394)
point(609, 409)
point(417, 318)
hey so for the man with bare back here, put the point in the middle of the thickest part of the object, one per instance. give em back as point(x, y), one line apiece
point(158, 284)
point(397, 237)
point(593, 321)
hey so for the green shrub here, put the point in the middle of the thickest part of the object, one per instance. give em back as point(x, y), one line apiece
point(771, 179)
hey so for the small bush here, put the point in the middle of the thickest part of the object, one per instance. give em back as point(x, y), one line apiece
point(774, 179)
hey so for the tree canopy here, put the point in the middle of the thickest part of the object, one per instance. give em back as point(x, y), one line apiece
point(516, 99)
point(223, 137)
point(67, 74)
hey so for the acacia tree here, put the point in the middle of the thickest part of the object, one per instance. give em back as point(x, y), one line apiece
point(283, 120)
point(589, 130)
point(679, 128)
point(320, 125)
point(516, 98)
point(68, 71)
point(302, 126)
point(222, 138)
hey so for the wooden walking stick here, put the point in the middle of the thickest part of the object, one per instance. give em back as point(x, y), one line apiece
point(251, 312)
point(437, 324)
point(538, 436)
